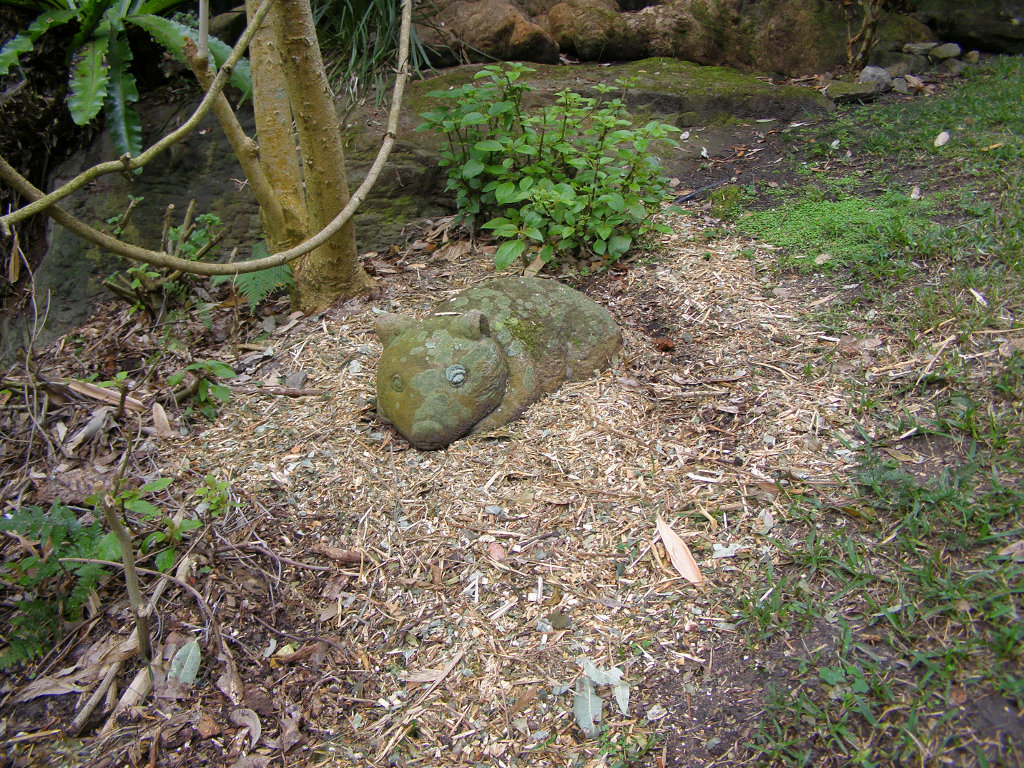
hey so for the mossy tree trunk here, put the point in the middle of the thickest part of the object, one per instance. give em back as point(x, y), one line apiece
point(305, 165)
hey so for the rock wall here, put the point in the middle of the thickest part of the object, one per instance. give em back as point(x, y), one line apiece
point(789, 37)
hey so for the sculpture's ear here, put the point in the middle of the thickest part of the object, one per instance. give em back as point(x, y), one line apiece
point(473, 325)
point(389, 325)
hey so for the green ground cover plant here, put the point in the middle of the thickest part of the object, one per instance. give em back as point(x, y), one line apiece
point(910, 582)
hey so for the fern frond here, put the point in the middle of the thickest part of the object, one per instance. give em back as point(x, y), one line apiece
point(256, 286)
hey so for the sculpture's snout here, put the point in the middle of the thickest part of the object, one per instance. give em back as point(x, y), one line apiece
point(426, 435)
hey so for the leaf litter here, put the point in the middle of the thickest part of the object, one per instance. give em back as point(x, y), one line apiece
point(436, 606)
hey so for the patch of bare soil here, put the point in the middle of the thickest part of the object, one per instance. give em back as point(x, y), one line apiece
point(364, 603)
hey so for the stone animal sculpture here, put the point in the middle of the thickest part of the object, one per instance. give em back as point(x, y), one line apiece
point(485, 355)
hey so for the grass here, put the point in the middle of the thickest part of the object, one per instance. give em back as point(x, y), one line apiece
point(903, 589)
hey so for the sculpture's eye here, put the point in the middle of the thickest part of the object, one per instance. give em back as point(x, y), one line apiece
point(456, 374)
point(396, 383)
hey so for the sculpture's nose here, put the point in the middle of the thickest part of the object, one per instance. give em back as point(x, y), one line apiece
point(426, 435)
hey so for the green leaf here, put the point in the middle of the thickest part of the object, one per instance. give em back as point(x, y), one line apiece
point(508, 252)
point(472, 168)
point(89, 78)
point(221, 392)
point(157, 6)
point(175, 379)
point(218, 368)
point(122, 119)
point(154, 486)
point(24, 40)
point(143, 507)
point(164, 560)
point(151, 540)
point(500, 108)
point(507, 192)
point(472, 118)
point(614, 201)
point(618, 245)
point(108, 548)
point(171, 35)
point(488, 145)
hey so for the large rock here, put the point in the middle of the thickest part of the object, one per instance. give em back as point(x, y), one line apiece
point(990, 25)
point(461, 31)
point(790, 37)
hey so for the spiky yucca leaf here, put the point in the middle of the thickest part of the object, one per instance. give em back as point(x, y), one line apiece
point(89, 79)
point(24, 40)
point(171, 35)
point(122, 119)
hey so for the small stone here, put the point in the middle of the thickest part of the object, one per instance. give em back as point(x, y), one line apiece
point(944, 51)
point(952, 66)
point(972, 57)
point(898, 69)
point(900, 85)
point(897, 64)
point(296, 380)
point(919, 48)
point(877, 78)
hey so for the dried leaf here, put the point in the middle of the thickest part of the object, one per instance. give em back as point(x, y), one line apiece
point(535, 266)
point(45, 686)
point(207, 726)
point(231, 686)
point(252, 761)
point(111, 396)
point(289, 735)
point(246, 718)
point(613, 677)
point(94, 425)
point(1013, 550)
point(942, 139)
point(587, 706)
point(185, 664)
point(524, 699)
point(454, 250)
point(496, 551)
point(420, 676)
point(679, 553)
point(161, 423)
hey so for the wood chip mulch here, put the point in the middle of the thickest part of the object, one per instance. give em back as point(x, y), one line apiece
point(378, 604)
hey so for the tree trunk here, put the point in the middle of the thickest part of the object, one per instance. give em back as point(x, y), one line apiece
point(333, 270)
point(278, 154)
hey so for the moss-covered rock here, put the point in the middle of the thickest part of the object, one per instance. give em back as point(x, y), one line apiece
point(679, 92)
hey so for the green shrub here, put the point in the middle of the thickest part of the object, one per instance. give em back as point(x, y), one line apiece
point(572, 177)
